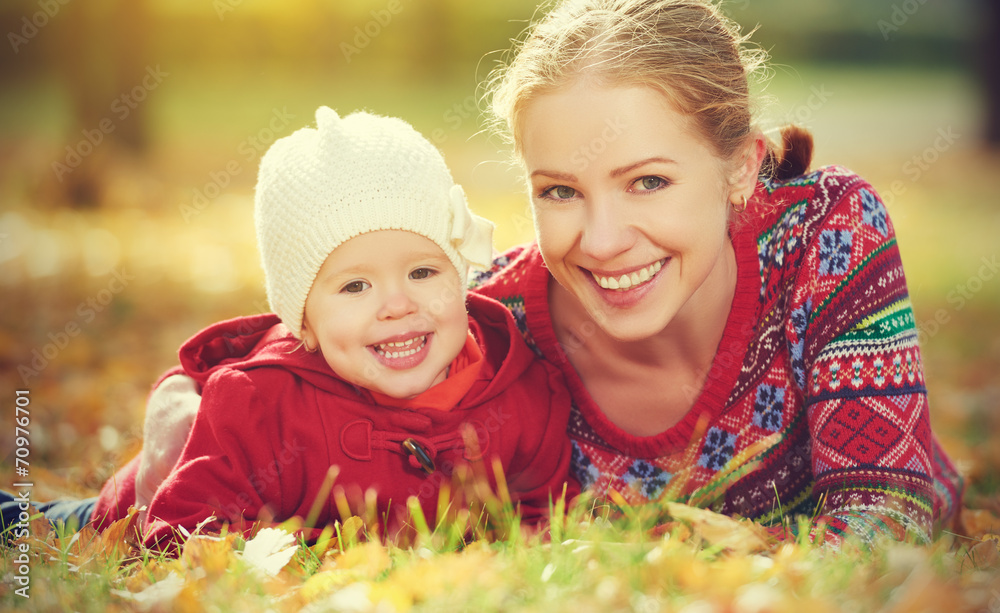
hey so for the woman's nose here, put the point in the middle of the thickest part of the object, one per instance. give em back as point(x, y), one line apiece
point(606, 232)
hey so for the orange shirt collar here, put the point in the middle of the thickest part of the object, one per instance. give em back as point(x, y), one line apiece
point(462, 373)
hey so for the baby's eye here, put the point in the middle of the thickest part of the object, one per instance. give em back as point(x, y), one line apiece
point(355, 287)
point(422, 273)
point(648, 184)
point(559, 192)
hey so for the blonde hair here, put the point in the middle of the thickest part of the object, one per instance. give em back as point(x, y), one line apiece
point(686, 49)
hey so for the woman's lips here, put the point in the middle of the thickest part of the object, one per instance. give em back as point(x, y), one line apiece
point(630, 280)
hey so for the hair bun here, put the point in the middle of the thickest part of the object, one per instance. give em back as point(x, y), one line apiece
point(792, 157)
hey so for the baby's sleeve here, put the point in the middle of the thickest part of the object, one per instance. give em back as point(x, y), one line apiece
point(212, 483)
point(540, 473)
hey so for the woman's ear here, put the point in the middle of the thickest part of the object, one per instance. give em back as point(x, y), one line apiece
point(744, 177)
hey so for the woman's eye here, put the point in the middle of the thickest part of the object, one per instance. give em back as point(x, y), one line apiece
point(355, 287)
point(559, 192)
point(648, 184)
point(421, 273)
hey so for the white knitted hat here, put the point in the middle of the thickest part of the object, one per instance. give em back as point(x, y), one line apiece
point(320, 187)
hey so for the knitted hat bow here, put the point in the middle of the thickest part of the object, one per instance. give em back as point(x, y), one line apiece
point(471, 235)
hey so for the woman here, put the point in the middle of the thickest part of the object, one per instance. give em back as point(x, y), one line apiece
point(734, 331)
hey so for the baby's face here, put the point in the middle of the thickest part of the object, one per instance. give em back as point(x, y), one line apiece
point(387, 312)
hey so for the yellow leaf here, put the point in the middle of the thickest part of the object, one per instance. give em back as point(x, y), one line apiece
point(368, 560)
point(977, 522)
point(210, 553)
point(322, 583)
point(737, 536)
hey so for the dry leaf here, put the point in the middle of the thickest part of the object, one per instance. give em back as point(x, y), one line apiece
point(160, 593)
point(367, 560)
point(269, 551)
point(212, 554)
point(977, 522)
point(735, 535)
point(984, 554)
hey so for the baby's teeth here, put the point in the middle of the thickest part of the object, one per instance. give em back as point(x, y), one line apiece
point(634, 278)
point(643, 275)
point(613, 283)
point(384, 349)
point(624, 282)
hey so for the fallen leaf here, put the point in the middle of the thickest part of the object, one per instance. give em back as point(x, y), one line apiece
point(212, 554)
point(977, 522)
point(737, 536)
point(984, 554)
point(269, 551)
point(160, 593)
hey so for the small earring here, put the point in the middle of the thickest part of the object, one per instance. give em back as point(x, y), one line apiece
point(306, 347)
point(742, 206)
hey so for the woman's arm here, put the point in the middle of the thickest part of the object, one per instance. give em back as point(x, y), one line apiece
point(853, 344)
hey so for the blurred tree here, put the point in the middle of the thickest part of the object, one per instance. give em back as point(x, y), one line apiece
point(989, 62)
point(101, 57)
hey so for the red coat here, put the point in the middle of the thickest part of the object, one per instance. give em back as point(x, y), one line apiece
point(273, 419)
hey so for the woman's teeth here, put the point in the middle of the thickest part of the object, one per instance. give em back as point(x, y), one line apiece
point(401, 349)
point(630, 280)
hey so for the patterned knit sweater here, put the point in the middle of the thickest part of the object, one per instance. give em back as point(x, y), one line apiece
point(815, 402)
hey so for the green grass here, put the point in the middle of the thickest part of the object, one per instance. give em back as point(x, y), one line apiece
point(595, 564)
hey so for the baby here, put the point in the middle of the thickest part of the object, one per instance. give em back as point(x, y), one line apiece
point(376, 360)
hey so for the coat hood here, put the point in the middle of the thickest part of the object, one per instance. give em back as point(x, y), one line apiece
point(262, 341)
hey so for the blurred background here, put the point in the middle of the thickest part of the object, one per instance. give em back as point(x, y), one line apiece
point(130, 132)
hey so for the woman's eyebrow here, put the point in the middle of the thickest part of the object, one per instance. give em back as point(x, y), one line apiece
point(554, 174)
point(617, 172)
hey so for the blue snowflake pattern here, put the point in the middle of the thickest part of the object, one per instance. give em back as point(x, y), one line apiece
point(582, 467)
point(648, 479)
point(768, 408)
point(873, 212)
point(800, 320)
point(718, 450)
point(783, 240)
point(482, 276)
point(835, 251)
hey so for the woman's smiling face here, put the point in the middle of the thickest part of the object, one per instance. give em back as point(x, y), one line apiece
point(630, 205)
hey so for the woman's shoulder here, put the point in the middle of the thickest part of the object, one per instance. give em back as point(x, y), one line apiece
point(816, 201)
point(821, 190)
point(509, 272)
